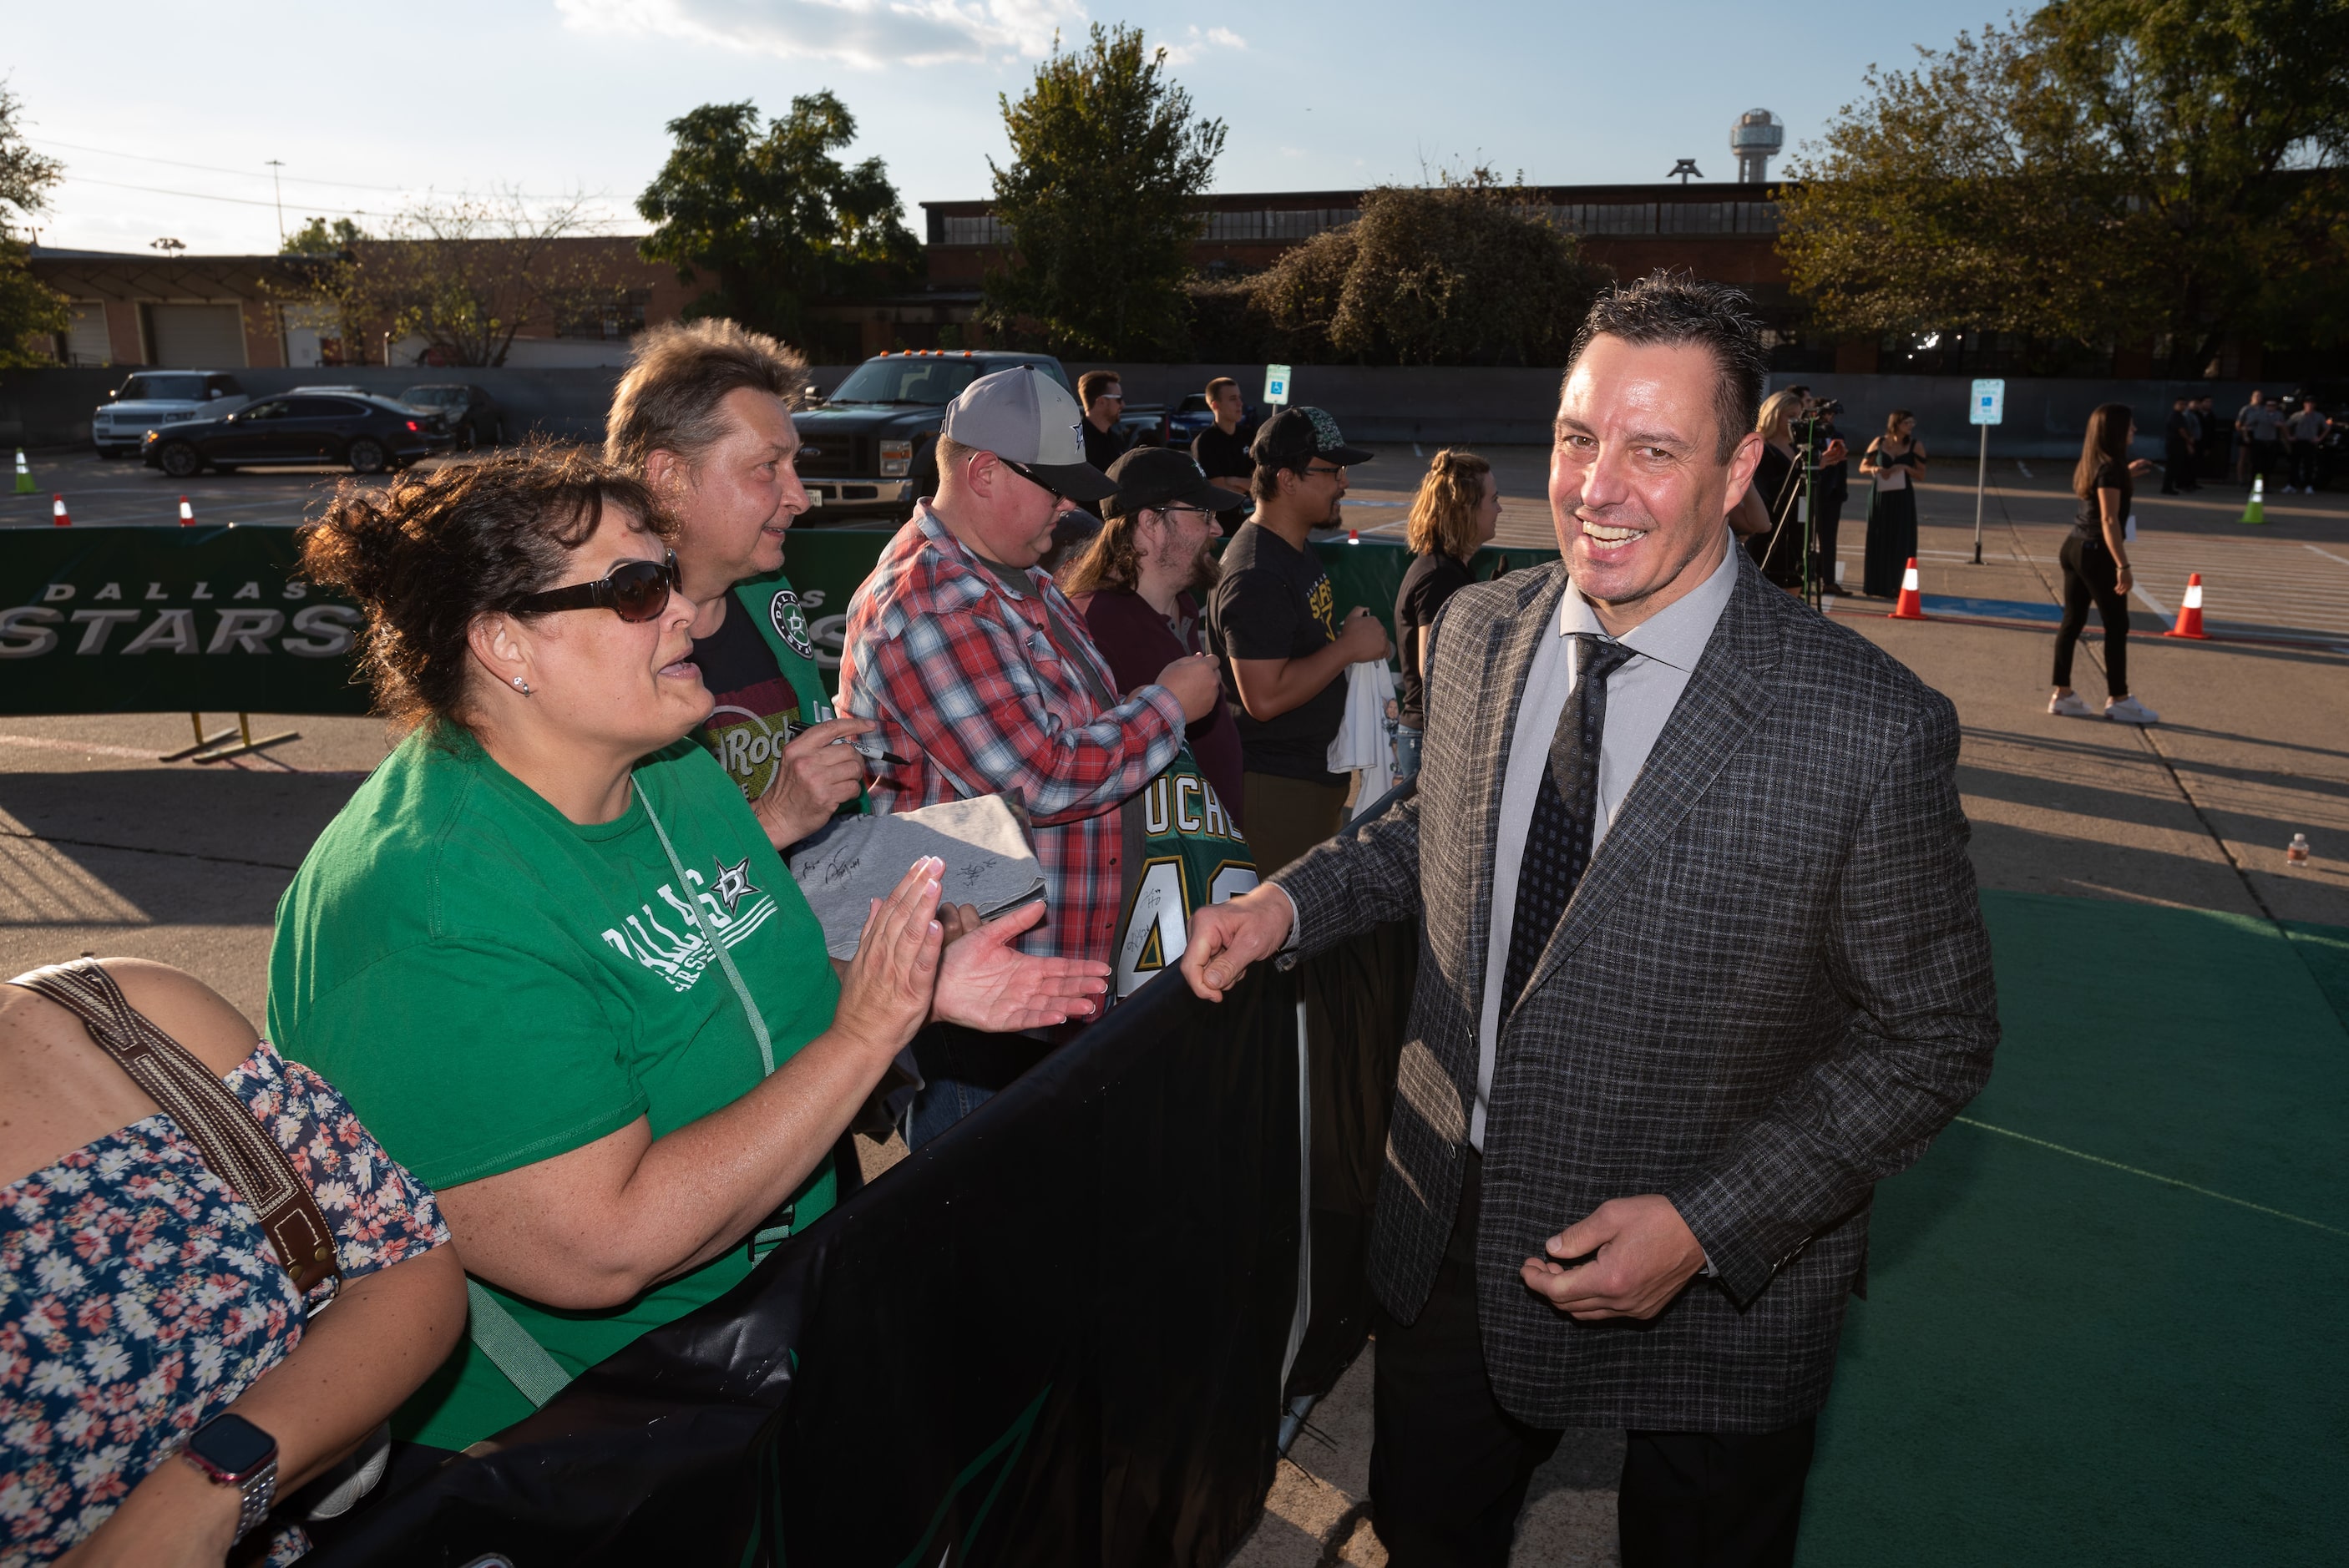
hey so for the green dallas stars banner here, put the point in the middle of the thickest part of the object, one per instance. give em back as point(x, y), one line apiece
point(220, 620)
point(217, 619)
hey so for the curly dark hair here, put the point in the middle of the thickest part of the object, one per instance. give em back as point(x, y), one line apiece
point(425, 556)
point(1674, 308)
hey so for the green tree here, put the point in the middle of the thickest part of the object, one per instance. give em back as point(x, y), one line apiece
point(775, 221)
point(1469, 271)
point(27, 305)
point(2102, 171)
point(319, 238)
point(466, 274)
point(1101, 202)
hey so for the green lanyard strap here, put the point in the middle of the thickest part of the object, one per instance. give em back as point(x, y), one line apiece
point(535, 1374)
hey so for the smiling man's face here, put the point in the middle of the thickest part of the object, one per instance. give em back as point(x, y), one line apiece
point(1638, 489)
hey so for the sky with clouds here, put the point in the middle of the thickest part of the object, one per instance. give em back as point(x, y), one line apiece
point(366, 107)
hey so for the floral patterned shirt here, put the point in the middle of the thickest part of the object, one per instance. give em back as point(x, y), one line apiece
point(139, 1296)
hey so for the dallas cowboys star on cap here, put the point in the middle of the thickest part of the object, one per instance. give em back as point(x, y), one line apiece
point(1024, 417)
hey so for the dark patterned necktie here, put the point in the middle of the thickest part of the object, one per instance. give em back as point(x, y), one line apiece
point(1565, 810)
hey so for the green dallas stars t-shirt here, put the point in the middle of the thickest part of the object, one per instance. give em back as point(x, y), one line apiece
point(491, 985)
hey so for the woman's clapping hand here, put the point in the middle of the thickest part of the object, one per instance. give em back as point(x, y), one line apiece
point(887, 989)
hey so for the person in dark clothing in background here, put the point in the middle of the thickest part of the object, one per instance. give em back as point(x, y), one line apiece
point(1774, 537)
point(2178, 449)
point(1272, 621)
point(1135, 587)
point(1454, 514)
point(1830, 490)
point(2213, 439)
point(2305, 431)
point(1221, 450)
point(1103, 397)
point(2096, 566)
point(1895, 461)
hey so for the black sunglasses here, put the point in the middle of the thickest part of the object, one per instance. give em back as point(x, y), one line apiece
point(1032, 476)
point(633, 590)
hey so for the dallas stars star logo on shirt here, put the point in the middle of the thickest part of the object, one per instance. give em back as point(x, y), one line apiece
point(734, 883)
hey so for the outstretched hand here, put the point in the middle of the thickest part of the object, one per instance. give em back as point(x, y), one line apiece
point(987, 982)
point(1645, 1254)
point(1225, 938)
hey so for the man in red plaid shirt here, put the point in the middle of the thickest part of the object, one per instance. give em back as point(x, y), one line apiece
point(982, 676)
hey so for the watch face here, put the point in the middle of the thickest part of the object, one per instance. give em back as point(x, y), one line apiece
point(233, 1445)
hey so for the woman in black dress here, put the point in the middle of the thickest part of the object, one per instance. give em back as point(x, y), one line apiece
point(1896, 461)
point(2097, 565)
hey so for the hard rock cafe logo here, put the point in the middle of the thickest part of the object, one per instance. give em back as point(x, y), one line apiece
point(746, 746)
point(791, 622)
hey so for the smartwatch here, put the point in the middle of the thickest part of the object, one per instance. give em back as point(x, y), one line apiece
point(232, 1451)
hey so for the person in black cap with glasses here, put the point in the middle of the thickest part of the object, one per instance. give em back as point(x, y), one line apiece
point(1134, 586)
point(1272, 624)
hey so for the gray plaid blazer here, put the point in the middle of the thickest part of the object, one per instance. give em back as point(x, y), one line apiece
point(1770, 991)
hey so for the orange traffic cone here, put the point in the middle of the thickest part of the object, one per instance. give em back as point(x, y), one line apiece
point(2190, 614)
point(1352, 537)
point(1910, 605)
point(58, 513)
point(187, 513)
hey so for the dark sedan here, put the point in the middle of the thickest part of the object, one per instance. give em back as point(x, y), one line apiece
point(472, 414)
point(348, 430)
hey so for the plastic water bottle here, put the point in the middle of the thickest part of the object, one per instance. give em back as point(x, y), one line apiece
point(2296, 852)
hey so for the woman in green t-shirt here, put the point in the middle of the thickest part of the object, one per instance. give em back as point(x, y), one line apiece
point(545, 949)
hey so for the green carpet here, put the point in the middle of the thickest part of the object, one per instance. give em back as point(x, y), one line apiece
point(2130, 1348)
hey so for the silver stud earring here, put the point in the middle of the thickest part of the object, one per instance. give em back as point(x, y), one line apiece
point(521, 686)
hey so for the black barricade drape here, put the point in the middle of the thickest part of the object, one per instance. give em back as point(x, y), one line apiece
point(1356, 996)
point(1055, 1336)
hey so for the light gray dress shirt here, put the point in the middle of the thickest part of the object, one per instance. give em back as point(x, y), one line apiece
point(1640, 697)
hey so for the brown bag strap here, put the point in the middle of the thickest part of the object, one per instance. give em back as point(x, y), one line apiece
point(233, 1143)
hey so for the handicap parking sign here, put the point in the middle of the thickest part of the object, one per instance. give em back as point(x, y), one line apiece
point(1989, 403)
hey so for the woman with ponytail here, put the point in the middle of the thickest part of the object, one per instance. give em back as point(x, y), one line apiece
point(2097, 565)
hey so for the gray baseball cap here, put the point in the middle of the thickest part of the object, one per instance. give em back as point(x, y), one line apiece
point(1029, 419)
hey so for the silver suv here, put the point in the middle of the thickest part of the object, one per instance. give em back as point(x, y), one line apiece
point(152, 397)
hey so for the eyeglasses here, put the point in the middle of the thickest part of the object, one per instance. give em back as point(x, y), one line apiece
point(1032, 476)
point(632, 589)
point(1310, 472)
point(1198, 511)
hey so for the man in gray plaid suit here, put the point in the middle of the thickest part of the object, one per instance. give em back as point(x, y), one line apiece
point(1701, 962)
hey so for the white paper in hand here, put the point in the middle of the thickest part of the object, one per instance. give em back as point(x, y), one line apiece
point(984, 843)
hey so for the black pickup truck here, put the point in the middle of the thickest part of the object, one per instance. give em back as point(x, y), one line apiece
point(868, 449)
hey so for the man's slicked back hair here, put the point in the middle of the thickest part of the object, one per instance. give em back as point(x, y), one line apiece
point(1674, 308)
point(668, 400)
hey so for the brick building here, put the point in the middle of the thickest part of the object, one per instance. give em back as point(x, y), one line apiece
point(1724, 232)
point(135, 309)
point(239, 312)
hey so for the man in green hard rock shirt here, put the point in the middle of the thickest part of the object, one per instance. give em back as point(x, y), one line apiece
point(704, 414)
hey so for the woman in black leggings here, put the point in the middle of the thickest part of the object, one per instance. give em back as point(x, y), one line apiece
point(2096, 567)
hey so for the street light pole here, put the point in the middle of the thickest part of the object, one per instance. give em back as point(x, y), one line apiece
point(274, 165)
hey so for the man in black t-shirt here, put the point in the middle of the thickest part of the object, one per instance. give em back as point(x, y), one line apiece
point(1273, 626)
point(1221, 450)
point(1103, 397)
